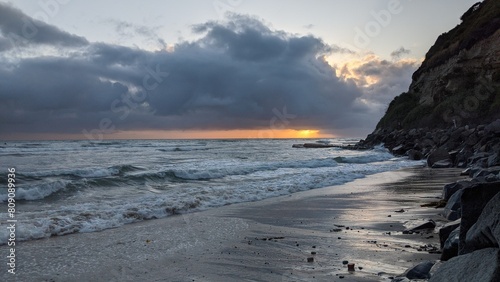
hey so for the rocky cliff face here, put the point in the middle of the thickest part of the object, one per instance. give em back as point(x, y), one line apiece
point(459, 81)
point(451, 116)
point(451, 112)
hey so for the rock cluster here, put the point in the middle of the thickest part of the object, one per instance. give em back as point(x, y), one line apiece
point(469, 244)
point(455, 147)
point(470, 241)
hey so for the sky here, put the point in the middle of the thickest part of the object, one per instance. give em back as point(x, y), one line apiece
point(109, 69)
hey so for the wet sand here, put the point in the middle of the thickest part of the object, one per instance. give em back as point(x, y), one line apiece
point(269, 240)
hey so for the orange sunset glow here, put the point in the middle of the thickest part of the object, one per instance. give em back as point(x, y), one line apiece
point(220, 134)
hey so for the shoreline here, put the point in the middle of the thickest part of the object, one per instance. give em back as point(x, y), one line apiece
point(259, 241)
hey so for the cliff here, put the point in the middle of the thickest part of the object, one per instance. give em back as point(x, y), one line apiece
point(451, 116)
point(451, 112)
point(459, 81)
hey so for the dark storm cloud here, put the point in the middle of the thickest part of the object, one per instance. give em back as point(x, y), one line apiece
point(240, 74)
point(20, 30)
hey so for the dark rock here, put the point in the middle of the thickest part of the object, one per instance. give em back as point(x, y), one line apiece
point(491, 177)
point(298, 146)
point(473, 170)
point(440, 154)
point(452, 188)
point(463, 156)
point(450, 248)
point(442, 164)
point(452, 210)
point(420, 225)
point(419, 271)
point(472, 140)
point(444, 139)
point(481, 265)
point(465, 172)
point(445, 231)
point(478, 159)
point(399, 150)
point(486, 171)
point(317, 145)
point(310, 259)
point(493, 127)
point(415, 155)
point(485, 233)
point(473, 201)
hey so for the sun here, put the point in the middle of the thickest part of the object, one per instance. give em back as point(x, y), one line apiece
point(308, 133)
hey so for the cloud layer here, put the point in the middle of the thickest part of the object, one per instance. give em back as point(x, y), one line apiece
point(240, 74)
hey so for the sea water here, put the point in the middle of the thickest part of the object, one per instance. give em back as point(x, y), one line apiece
point(67, 187)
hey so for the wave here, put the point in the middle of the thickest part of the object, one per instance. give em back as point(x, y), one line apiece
point(91, 217)
point(364, 159)
point(85, 172)
point(102, 143)
point(217, 173)
point(37, 192)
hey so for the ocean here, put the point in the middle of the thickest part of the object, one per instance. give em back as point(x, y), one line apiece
point(65, 187)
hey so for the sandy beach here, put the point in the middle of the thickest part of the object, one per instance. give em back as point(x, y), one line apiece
point(270, 240)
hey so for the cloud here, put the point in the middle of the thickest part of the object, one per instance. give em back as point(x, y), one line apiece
point(21, 30)
point(396, 54)
point(380, 81)
point(240, 74)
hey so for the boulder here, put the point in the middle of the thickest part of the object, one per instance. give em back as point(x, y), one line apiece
point(440, 154)
point(415, 155)
point(452, 188)
point(317, 145)
point(479, 159)
point(452, 210)
point(473, 200)
point(444, 232)
point(491, 177)
point(421, 225)
point(463, 155)
point(450, 248)
point(471, 140)
point(442, 164)
point(419, 271)
point(485, 233)
point(486, 171)
point(399, 150)
point(481, 265)
point(493, 127)
point(493, 160)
